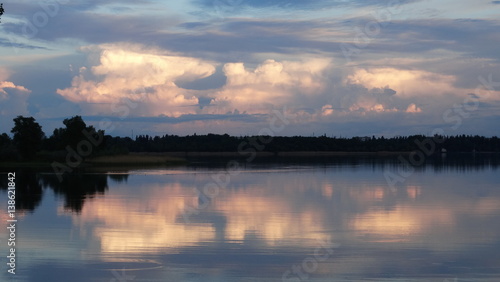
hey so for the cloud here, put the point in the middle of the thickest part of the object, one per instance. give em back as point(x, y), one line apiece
point(327, 110)
point(405, 83)
point(412, 108)
point(146, 81)
point(142, 76)
point(183, 119)
point(13, 101)
point(270, 84)
point(13, 43)
point(4, 73)
point(8, 85)
point(470, 37)
point(86, 21)
point(152, 84)
point(226, 6)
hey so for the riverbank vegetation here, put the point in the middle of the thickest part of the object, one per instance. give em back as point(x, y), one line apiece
point(77, 141)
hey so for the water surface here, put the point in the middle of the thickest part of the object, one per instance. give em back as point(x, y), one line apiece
point(285, 220)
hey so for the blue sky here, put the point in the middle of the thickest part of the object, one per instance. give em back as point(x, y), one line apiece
point(337, 67)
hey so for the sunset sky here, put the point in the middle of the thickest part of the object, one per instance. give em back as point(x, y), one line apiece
point(334, 67)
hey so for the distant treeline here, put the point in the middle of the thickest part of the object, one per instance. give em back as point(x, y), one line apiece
point(29, 141)
point(224, 143)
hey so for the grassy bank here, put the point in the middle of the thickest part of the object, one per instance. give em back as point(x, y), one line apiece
point(132, 159)
point(135, 159)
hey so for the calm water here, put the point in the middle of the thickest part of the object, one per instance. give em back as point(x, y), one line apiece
point(328, 220)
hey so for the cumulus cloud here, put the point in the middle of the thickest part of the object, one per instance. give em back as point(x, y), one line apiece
point(270, 84)
point(142, 75)
point(151, 80)
point(402, 90)
point(389, 89)
point(8, 85)
point(13, 101)
point(412, 108)
point(405, 83)
point(371, 107)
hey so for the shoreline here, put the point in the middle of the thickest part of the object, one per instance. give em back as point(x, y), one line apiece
point(278, 154)
point(180, 158)
point(297, 154)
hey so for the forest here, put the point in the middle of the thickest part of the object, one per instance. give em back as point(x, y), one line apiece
point(29, 142)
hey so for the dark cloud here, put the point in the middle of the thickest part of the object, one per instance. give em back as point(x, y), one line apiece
point(29, 8)
point(473, 37)
point(245, 36)
point(238, 39)
point(227, 4)
point(12, 42)
point(383, 91)
point(193, 25)
point(241, 36)
point(92, 28)
point(246, 118)
point(217, 80)
point(292, 4)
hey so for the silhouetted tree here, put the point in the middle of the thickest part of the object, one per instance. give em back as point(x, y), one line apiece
point(76, 130)
point(73, 133)
point(7, 150)
point(28, 136)
point(2, 10)
point(75, 188)
point(28, 189)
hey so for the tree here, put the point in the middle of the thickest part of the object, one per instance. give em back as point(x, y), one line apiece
point(73, 133)
point(28, 136)
point(2, 10)
point(76, 131)
point(7, 150)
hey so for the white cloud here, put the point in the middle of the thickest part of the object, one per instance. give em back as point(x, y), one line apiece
point(311, 89)
point(147, 76)
point(271, 84)
point(13, 101)
point(8, 85)
point(412, 108)
point(407, 83)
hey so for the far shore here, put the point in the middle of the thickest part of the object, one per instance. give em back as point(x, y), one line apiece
point(180, 158)
point(131, 159)
point(279, 154)
point(136, 159)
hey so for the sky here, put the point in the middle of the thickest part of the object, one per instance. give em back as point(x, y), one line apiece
point(299, 67)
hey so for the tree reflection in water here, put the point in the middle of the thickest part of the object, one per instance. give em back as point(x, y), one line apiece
point(74, 188)
point(78, 186)
point(29, 191)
